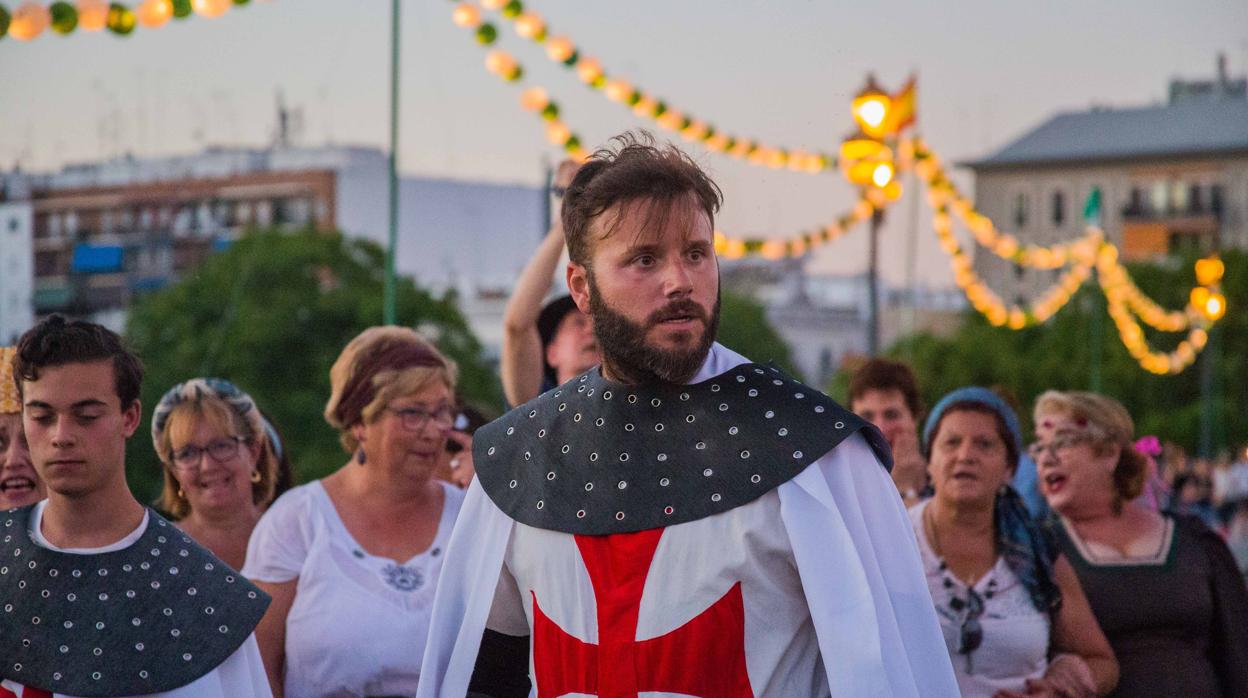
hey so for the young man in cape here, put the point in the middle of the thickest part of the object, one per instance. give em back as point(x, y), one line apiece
point(100, 596)
point(681, 521)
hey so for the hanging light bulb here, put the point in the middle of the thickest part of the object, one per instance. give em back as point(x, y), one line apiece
point(92, 15)
point(154, 13)
point(29, 20)
point(466, 15)
point(211, 8)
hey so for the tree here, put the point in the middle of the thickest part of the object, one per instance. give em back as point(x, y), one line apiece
point(743, 327)
point(271, 313)
point(1062, 353)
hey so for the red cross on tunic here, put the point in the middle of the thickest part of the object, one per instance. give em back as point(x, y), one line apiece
point(704, 657)
point(27, 692)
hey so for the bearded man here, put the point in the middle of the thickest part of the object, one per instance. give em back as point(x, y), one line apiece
point(681, 520)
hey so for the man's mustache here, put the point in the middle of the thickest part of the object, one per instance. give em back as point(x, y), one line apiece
point(677, 309)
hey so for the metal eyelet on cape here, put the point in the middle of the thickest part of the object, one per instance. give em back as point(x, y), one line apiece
point(676, 454)
point(106, 624)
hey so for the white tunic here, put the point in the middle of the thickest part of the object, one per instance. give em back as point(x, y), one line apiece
point(356, 617)
point(1016, 634)
point(830, 586)
point(240, 676)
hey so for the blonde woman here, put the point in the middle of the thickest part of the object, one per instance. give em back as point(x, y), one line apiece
point(1164, 588)
point(352, 561)
point(220, 463)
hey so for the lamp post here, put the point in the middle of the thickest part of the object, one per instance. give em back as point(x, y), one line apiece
point(867, 161)
point(1209, 302)
point(389, 315)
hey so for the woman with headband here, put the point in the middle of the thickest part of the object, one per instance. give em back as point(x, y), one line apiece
point(221, 460)
point(352, 561)
point(19, 484)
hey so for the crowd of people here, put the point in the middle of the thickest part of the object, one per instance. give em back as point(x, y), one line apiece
point(657, 514)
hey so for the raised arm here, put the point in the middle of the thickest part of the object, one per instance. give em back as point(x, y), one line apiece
point(521, 363)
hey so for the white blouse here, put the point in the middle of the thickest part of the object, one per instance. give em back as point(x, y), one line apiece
point(1015, 634)
point(358, 623)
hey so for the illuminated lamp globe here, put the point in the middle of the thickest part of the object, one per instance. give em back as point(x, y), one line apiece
point(870, 108)
point(558, 133)
point(92, 15)
point(211, 8)
point(530, 26)
point(559, 49)
point(534, 99)
point(1209, 271)
point(1198, 298)
point(1214, 307)
point(499, 63)
point(466, 16)
point(589, 70)
point(493, 4)
point(154, 13)
point(882, 174)
point(29, 20)
point(618, 90)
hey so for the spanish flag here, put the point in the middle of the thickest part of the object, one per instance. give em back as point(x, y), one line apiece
point(903, 106)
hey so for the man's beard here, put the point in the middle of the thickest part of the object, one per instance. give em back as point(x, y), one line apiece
point(627, 355)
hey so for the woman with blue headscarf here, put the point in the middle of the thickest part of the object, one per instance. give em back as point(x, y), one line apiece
point(1015, 619)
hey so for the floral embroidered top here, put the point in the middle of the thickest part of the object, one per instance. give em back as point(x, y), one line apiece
point(358, 623)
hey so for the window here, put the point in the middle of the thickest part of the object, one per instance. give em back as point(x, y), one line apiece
point(1157, 198)
point(1059, 209)
point(1178, 197)
point(1020, 211)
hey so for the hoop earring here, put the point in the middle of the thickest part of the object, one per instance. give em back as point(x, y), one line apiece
point(181, 494)
point(255, 477)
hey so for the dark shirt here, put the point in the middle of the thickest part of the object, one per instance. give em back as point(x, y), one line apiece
point(1179, 627)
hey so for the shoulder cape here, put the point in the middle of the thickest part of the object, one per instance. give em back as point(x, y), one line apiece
point(150, 618)
point(592, 457)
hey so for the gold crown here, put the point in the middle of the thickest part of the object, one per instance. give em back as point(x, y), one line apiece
point(9, 404)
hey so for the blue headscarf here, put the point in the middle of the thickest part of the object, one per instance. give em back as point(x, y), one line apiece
point(1028, 550)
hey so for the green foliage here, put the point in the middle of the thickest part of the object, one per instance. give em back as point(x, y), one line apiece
point(1061, 355)
point(271, 314)
point(743, 327)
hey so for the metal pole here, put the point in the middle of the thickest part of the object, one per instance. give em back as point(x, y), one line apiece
point(1097, 339)
point(388, 298)
point(549, 180)
point(1206, 395)
point(873, 292)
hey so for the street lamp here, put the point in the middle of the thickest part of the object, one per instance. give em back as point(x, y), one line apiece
point(1209, 304)
point(867, 161)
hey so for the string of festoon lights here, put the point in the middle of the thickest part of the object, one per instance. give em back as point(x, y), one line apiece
point(31, 19)
point(536, 99)
point(1079, 258)
point(529, 24)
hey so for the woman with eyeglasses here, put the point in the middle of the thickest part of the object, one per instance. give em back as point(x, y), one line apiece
point(220, 463)
point(1015, 620)
point(352, 560)
point(1163, 586)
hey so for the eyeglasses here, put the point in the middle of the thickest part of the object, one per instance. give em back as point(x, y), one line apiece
point(971, 633)
point(1061, 442)
point(415, 418)
point(221, 450)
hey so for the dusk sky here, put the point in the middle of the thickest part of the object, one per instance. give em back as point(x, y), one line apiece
point(782, 72)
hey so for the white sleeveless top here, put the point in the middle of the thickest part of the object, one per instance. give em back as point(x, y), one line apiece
point(358, 623)
point(1016, 634)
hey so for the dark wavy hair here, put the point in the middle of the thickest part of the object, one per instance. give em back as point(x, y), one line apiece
point(57, 341)
point(633, 169)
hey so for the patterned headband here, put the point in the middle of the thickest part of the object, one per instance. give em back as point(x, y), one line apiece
point(197, 389)
point(359, 390)
point(9, 403)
